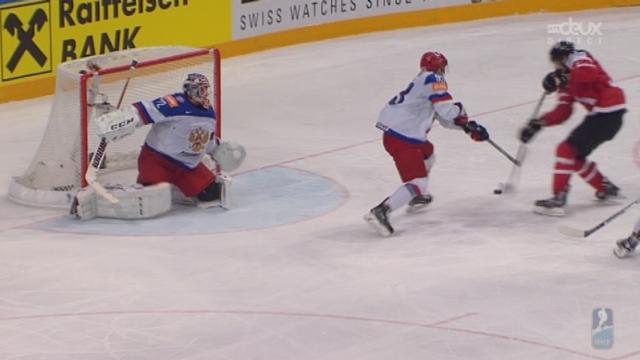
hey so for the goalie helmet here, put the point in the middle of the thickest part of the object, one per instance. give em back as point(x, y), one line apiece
point(433, 61)
point(196, 88)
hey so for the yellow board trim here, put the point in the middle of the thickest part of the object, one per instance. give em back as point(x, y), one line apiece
point(332, 30)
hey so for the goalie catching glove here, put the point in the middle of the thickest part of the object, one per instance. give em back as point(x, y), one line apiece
point(475, 130)
point(118, 124)
point(229, 155)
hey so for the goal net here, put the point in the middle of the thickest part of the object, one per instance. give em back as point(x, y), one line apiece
point(57, 170)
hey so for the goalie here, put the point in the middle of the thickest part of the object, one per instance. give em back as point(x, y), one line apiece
point(182, 132)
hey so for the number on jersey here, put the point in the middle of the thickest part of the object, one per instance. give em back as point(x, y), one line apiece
point(399, 99)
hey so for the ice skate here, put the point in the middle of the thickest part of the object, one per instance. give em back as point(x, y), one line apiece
point(610, 192)
point(378, 218)
point(625, 247)
point(553, 206)
point(418, 203)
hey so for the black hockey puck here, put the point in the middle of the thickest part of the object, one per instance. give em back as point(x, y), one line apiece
point(497, 191)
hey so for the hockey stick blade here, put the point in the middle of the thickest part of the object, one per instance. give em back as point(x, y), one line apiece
point(566, 230)
point(572, 232)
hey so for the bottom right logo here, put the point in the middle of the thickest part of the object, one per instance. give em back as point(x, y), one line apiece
point(602, 328)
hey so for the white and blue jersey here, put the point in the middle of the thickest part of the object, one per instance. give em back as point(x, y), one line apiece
point(180, 130)
point(410, 114)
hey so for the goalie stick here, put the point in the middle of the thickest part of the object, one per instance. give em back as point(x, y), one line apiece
point(573, 232)
point(98, 155)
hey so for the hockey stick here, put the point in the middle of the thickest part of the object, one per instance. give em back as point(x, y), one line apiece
point(503, 152)
point(573, 232)
point(98, 155)
point(522, 149)
point(514, 175)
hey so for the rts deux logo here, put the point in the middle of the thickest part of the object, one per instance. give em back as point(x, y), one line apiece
point(25, 34)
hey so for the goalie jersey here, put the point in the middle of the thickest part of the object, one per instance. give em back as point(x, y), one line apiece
point(410, 114)
point(180, 130)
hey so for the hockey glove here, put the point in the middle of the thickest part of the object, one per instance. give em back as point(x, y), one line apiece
point(118, 124)
point(555, 80)
point(476, 131)
point(462, 118)
point(528, 132)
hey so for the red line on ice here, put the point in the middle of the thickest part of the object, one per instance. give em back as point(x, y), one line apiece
point(434, 326)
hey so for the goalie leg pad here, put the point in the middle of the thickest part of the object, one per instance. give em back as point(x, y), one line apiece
point(134, 202)
point(211, 193)
point(223, 188)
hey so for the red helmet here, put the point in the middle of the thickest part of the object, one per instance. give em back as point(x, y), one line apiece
point(433, 61)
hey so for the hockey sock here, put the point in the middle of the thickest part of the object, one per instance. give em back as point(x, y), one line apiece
point(564, 168)
point(430, 162)
point(406, 192)
point(590, 173)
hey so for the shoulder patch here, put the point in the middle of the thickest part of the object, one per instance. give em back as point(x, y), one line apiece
point(171, 100)
point(439, 86)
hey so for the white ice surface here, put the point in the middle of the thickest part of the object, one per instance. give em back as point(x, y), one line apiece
point(477, 276)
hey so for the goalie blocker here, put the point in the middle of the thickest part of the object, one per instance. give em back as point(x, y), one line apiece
point(175, 150)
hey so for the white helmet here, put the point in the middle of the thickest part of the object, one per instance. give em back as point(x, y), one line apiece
point(196, 88)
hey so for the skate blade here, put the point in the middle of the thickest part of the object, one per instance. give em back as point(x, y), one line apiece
point(416, 208)
point(375, 224)
point(555, 212)
point(621, 254)
point(209, 204)
point(611, 200)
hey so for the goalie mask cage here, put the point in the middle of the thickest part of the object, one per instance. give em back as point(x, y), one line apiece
point(57, 171)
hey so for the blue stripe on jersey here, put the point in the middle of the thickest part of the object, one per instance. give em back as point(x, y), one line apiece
point(440, 97)
point(405, 138)
point(184, 108)
point(146, 118)
point(432, 78)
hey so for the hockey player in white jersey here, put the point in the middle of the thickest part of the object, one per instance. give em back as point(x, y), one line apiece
point(625, 247)
point(183, 131)
point(406, 120)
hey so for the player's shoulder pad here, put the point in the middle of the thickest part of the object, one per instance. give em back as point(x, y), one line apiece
point(166, 103)
point(437, 82)
point(177, 105)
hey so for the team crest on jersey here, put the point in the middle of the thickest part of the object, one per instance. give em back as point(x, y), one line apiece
point(199, 138)
point(440, 86)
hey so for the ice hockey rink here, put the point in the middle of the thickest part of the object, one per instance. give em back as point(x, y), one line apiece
point(476, 276)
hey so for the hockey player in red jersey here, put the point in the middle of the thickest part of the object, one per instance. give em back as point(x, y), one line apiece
point(578, 77)
point(406, 120)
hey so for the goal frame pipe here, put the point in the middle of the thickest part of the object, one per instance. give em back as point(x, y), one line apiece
point(84, 111)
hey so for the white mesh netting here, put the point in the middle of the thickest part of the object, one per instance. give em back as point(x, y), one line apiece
point(57, 170)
